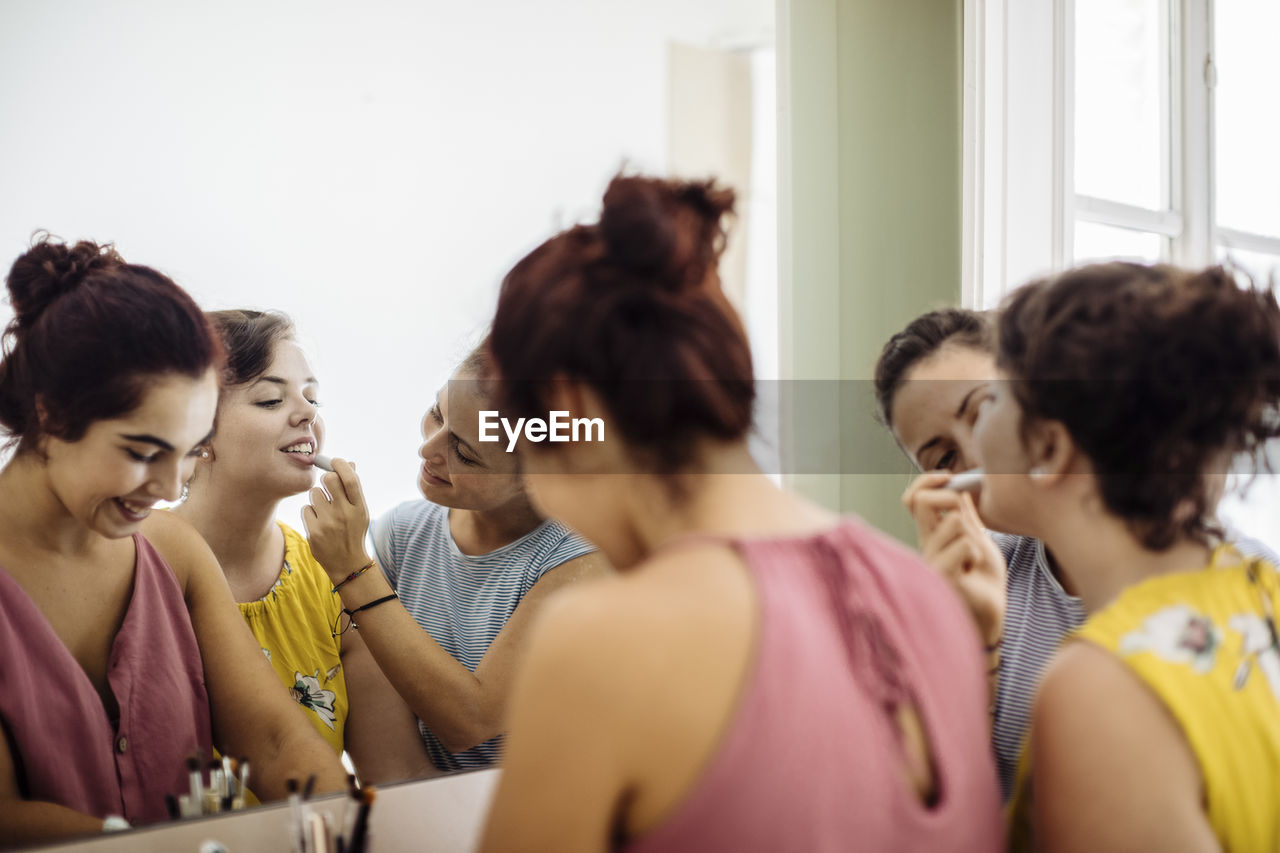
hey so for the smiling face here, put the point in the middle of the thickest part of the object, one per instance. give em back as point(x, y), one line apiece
point(458, 470)
point(935, 409)
point(268, 431)
point(111, 477)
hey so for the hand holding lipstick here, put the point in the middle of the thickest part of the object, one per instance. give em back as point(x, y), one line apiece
point(336, 521)
point(953, 540)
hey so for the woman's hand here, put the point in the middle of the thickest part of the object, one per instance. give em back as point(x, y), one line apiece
point(954, 542)
point(336, 521)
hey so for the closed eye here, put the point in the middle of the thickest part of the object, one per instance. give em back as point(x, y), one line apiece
point(455, 446)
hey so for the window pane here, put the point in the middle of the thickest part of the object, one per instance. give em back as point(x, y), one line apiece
point(1121, 72)
point(1096, 242)
point(1247, 115)
point(1262, 268)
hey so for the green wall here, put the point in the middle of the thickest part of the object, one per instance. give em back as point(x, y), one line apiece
point(870, 147)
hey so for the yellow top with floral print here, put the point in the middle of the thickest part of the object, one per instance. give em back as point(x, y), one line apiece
point(1205, 643)
point(294, 626)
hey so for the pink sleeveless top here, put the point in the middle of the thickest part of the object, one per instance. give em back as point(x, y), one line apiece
point(851, 625)
point(65, 749)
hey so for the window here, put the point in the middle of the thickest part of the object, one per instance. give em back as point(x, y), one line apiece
point(1120, 130)
point(1137, 129)
point(1246, 123)
point(1129, 121)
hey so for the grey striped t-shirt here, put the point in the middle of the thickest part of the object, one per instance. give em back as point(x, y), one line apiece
point(463, 601)
point(1038, 614)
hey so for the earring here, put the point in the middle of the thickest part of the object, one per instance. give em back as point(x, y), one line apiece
point(186, 490)
point(1038, 472)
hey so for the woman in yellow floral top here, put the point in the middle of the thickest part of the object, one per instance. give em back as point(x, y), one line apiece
point(1128, 391)
point(264, 449)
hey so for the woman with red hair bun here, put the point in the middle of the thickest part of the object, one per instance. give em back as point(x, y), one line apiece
point(761, 674)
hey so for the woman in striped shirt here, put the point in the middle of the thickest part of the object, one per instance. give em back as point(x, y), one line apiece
point(463, 573)
point(931, 379)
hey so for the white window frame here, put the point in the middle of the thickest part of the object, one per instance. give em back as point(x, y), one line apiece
point(1020, 207)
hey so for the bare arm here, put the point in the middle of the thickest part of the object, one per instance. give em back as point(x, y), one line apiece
point(24, 822)
point(563, 705)
point(1111, 769)
point(381, 731)
point(252, 713)
point(462, 708)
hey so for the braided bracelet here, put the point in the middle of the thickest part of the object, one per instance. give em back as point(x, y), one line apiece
point(351, 614)
point(357, 573)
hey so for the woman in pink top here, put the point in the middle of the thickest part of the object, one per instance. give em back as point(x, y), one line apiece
point(763, 675)
point(119, 656)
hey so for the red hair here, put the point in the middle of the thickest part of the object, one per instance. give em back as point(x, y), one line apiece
point(632, 306)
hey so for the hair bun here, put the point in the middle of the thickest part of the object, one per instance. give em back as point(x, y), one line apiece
point(637, 231)
point(50, 269)
point(666, 232)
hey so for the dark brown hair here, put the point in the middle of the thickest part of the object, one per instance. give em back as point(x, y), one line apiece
point(632, 307)
point(1159, 374)
point(250, 338)
point(923, 337)
point(88, 331)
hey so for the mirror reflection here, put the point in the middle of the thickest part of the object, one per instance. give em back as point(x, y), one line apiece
point(339, 194)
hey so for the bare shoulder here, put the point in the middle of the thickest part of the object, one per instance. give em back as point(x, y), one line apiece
point(1111, 764)
point(578, 612)
point(595, 628)
point(649, 616)
point(1081, 675)
point(1089, 694)
point(181, 545)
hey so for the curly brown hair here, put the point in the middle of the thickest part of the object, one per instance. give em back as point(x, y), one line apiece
point(1158, 373)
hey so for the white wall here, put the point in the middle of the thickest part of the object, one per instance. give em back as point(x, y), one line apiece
point(373, 169)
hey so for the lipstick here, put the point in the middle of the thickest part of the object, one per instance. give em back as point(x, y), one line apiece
point(966, 481)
